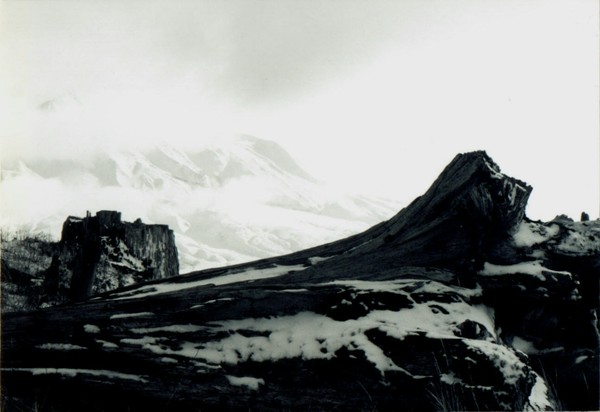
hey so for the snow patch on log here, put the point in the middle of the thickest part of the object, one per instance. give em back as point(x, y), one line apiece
point(60, 346)
point(131, 315)
point(247, 381)
point(245, 276)
point(538, 399)
point(309, 335)
point(531, 233)
point(68, 372)
point(171, 328)
point(533, 268)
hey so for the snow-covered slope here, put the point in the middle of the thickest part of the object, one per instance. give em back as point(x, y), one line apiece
point(228, 201)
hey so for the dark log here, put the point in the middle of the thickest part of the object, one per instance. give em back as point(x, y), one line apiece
point(407, 315)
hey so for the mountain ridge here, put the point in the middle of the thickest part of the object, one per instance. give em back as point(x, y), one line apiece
point(216, 198)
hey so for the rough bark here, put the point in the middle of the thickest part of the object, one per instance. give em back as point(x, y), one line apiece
point(102, 253)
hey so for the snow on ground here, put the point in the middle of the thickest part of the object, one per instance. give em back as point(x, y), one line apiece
point(415, 286)
point(577, 238)
point(583, 239)
point(106, 344)
point(533, 268)
point(74, 372)
point(141, 341)
point(305, 335)
point(531, 233)
point(248, 381)
point(60, 346)
point(316, 259)
point(91, 328)
point(310, 335)
point(131, 315)
point(171, 328)
point(538, 399)
point(504, 359)
point(246, 276)
point(391, 286)
point(451, 379)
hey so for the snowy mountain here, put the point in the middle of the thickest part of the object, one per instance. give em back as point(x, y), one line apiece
point(228, 200)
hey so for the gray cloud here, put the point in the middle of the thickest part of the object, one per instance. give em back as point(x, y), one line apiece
point(277, 49)
point(251, 51)
point(390, 81)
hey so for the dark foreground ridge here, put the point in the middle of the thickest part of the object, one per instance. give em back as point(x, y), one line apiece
point(459, 302)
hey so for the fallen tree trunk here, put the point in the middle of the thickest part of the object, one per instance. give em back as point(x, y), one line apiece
point(444, 306)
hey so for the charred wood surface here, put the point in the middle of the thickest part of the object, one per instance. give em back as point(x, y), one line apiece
point(442, 306)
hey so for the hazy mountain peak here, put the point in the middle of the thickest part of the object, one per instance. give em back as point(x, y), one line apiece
point(234, 199)
point(276, 154)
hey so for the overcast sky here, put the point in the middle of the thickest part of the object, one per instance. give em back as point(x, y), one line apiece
point(377, 96)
